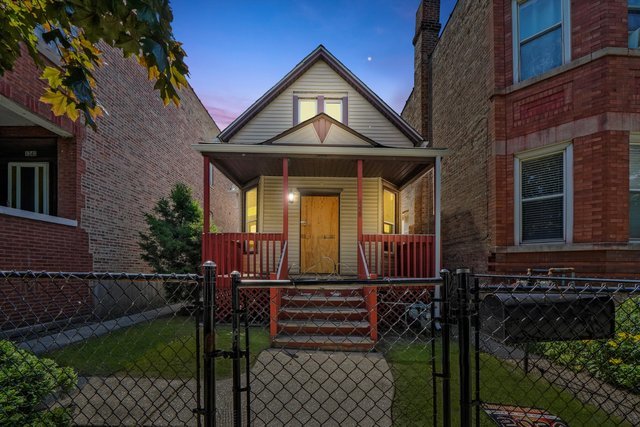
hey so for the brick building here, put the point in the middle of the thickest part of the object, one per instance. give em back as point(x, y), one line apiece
point(73, 199)
point(539, 104)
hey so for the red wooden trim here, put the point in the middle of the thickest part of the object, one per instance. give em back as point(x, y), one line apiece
point(320, 106)
point(371, 298)
point(285, 210)
point(359, 212)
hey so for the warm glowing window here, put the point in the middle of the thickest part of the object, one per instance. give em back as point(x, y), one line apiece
point(333, 108)
point(307, 108)
point(389, 212)
point(251, 210)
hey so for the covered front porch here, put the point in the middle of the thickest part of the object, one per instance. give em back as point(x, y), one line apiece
point(322, 215)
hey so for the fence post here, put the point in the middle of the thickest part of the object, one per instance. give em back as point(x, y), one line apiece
point(464, 338)
point(235, 348)
point(446, 348)
point(209, 331)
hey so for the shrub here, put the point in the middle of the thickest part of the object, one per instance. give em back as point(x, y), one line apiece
point(25, 381)
point(173, 242)
point(616, 360)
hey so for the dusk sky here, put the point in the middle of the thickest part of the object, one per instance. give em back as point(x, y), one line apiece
point(238, 49)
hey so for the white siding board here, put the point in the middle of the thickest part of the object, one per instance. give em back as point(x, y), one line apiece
point(271, 213)
point(363, 117)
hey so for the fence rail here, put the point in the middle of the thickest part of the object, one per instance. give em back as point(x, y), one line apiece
point(88, 348)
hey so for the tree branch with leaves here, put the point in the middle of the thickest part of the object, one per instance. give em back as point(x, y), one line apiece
point(140, 28)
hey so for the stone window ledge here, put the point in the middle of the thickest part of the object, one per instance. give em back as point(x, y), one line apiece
point(568, 247)
point(38, 216)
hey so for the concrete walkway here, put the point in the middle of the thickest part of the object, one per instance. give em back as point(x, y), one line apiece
point(314, 388)
point(288, 388)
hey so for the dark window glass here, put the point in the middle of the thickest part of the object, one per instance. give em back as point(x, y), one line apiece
point(542, 193)
point(543, 219)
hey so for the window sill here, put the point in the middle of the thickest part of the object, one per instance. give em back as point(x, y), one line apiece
point(38, 216)
point(566, 247)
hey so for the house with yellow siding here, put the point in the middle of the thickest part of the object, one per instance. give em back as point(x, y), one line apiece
point(322, 163)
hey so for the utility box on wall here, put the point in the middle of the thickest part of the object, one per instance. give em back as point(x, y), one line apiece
point(539, 317)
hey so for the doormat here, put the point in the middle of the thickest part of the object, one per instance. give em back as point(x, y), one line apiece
point(515, 416)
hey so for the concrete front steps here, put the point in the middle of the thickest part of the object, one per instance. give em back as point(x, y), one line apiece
point(323, 319)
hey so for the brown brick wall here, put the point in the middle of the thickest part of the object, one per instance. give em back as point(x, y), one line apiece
point(139, 152)
point(459, 106)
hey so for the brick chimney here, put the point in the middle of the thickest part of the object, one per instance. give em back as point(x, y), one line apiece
point(424, 42)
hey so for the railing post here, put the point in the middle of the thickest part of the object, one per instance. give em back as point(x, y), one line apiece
point(446, 348)
point(209, 331)
point(235, 348)
point(464, 337)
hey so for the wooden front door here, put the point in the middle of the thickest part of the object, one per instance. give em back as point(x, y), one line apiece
point(319, 234)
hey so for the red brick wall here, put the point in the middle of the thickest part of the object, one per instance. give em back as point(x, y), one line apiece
point(592, 102)
point(109, 179)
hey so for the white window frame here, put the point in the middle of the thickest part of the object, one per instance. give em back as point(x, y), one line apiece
point(515, 35)
point(567, 150)
point(45, 182)
point(306, 98)
point(336, 101)
point(634, 140)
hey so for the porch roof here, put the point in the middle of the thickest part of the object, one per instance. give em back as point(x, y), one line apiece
point(243, 163)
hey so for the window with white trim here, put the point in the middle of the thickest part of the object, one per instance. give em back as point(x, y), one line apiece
point(541, 36)
point(333, 108)
point(28, 186)
point(544, 196)
point(307, 108)
point(634, 191)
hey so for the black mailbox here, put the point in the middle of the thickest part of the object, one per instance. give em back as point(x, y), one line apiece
point(539, 317)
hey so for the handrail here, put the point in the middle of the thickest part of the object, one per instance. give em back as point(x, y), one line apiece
point(281, 260)
point(363, 258)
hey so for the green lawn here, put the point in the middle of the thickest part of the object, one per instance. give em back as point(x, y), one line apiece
point(162, 348)
point(501, 382)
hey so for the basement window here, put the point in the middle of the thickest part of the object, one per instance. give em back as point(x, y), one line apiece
point(543, 192)
point(541, 36)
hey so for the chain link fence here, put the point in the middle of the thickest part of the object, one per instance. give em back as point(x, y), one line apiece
point(137, 349)
point(548, 350)
point(330, 352)
point(98, 349)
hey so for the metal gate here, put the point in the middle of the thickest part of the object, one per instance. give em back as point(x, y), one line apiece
point(461, 350)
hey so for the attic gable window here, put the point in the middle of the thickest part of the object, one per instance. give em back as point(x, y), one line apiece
point(305, 108)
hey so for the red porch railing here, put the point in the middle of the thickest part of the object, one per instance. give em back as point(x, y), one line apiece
point(254, 255)
point(399, 255)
